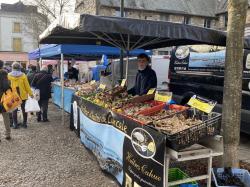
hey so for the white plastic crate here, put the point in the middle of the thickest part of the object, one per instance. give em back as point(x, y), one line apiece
point(242, 174)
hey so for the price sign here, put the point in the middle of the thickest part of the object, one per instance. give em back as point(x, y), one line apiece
point(92, 82)
point(164, 97)
point(151, 91)
point(202, 104)
point(124, 81)
point(102, 86)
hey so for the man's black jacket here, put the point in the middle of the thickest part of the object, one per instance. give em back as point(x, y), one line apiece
point(42, 81)
point(145, 80)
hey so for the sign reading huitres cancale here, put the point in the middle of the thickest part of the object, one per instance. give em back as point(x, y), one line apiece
point(93, 111)
point(143, 154)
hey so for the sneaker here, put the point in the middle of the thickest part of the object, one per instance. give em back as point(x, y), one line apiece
point(8, 138)
point(39, 120)
point(15, 126)
point(46, 120)
point(24, 125)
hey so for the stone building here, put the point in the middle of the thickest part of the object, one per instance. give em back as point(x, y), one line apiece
point(20, 26)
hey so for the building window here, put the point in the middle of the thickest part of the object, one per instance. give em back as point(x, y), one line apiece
point(16, 27)
point(225, 19)
point(187, 20)
point(118, 13)
point(164, 17)
point(207, 23)
point(17, 44)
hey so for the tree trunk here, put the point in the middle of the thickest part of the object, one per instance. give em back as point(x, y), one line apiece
point(231, 115)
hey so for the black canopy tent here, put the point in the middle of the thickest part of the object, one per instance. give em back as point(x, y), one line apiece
point(129, 34)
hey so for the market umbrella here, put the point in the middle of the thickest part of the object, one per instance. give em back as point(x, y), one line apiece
point(129, 34)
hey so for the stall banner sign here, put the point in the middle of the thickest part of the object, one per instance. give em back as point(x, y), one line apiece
point(179, 60)
point(202, 104)
point(92, 82)
point(151, 91)
point(143, 153)
point(123, 83)
point(102, 86)
point(132, 153)
point(93, 111)
point(163, 97)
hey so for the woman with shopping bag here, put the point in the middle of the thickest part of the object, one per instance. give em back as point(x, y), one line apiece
point(19, 82)
point(42, 81)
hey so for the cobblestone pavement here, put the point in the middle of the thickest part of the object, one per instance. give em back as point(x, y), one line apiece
point(48, 154)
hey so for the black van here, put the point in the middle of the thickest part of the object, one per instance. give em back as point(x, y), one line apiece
point(203, 74)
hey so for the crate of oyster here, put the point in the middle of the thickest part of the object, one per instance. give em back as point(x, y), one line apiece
point(188, 127)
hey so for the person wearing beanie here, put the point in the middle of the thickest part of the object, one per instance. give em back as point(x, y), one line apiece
point(19, 82)
point(42, 81)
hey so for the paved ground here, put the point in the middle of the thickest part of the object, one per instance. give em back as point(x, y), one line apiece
point(244, 153)
point(48, 154)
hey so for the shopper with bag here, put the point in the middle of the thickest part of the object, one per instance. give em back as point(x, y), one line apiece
point(42, 81)
point(19, 82)
point(31, 74)
point(4, 86)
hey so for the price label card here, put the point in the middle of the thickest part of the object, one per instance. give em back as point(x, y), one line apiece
point(92, 82)
point(124, 81)
point(151, 91)
point(102, 86)
point(202, 104)
point(164, 97)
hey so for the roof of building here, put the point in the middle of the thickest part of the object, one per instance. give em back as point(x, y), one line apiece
point(18, 7)
point(206, 8)
point(222, 6)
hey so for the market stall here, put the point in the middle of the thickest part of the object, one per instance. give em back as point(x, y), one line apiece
point(135, 138)
point(78, 52)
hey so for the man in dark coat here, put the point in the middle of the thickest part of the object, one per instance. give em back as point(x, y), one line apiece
point(72, 73)
point(4, 86)
point(31, 74)
point(42, 81)
point(145, 78)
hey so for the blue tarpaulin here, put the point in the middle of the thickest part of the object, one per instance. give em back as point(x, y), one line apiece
point(53, 51)
point(57, 93)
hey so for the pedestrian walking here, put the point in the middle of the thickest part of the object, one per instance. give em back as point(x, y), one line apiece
point(42, 81)
point(19, 82)
point(4, 86)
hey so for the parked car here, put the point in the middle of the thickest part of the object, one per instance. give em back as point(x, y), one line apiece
point(203, 74)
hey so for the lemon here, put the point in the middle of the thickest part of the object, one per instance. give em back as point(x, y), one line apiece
point(151, 147)
point(119, 110)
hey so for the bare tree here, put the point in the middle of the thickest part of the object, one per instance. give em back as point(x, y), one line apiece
point(231, 116)
point(52, 8)
point(34, 24)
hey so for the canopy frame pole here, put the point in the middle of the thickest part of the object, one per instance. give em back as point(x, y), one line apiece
point(137, 42)
point(156, 40)
point(102, 38)
point(40, 62)
point(110, 38)
point(62, 87)
point(123, 41)
point(127, 57)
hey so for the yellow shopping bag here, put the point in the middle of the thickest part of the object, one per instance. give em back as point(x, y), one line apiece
point(11, 100)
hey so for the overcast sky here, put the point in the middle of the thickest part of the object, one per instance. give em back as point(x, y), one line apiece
point(8, 1)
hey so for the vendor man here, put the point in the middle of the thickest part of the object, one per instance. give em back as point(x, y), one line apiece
point(72, 73)
point(145, 78)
